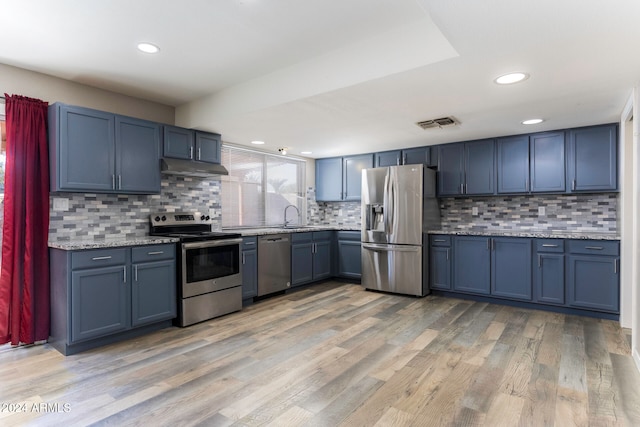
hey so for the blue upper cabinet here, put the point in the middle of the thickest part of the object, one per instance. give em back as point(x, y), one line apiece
point(531, 163)
point(208, 147)
point(409, 156)
point(329, 179)
point(466, 168)
point(513, 164)
point(388, 158)
point(178, 143)
point(138, 155)
point(352, 175)
point(592, 158)
point(547, 166)
point(96, 151)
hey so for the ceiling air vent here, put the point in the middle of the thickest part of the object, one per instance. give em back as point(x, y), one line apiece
point(437, 123)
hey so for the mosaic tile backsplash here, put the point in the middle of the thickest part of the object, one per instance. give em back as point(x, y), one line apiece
point(105, 215)
point(340, 214)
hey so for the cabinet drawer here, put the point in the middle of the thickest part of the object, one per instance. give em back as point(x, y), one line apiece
point(549, 245)
point(594, 247)
point(250, 242)
point(94, 258)
point(322, 235)
point(350, 235)
point(440, 240)
point(153, 253)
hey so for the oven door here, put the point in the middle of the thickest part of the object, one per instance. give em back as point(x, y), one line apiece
point(210, 266)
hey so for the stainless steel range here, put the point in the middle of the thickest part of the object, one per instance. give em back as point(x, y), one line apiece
point(209, 270)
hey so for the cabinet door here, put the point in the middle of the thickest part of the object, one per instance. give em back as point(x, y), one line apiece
point(388, 158)
point(329, 179)
point(480, 167)
point(593, 282)
point(86, 149)
point(416, 156)
point(440, 268)
point(138, 156)
point(249, 273)
point(99, 302)
point(301, 263)
point(208, 147)
point(349, 259)
point(153, 293)
point(471, 264)
point(321, 259)
point(547, 162)
point(352, 175)
point(450, 169)
point(511, 268)
point(513, 164)
point(593, 159)
point(178, 143)
point(549, 278)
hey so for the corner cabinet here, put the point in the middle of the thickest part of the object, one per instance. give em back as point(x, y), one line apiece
point(189, 144)
point(96, 151)
point(99, 296)
point(592, 159)
point(340, 178)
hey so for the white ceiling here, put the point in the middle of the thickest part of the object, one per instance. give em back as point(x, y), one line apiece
point(342, 76)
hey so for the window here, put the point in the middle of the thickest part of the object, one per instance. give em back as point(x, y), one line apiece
point(259, 187)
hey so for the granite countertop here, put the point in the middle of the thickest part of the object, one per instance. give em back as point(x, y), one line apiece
point(261, 231)
point(79, 244)
point(542, 234)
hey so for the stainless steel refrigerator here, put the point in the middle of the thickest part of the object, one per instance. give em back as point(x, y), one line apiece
point(399, 205)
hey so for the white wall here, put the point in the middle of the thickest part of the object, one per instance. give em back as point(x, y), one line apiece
point(18, 81)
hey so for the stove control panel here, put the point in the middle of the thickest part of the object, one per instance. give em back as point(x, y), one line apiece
point(179, 218)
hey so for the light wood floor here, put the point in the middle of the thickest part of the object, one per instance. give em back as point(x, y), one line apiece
point(333, 354)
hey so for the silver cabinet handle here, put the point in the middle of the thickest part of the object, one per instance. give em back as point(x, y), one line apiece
point(439, 240)
point(244, 261)
point(155, 253)
point(547, 245)
point(488, 244)
point(595, 248)
point(404, 158)
point(539, 261)
point(113, 182)
point(493, 244)
point(199, 153)
point(135, 271)
point(526, 185)
point(573, 184)
point(615, 266)
point(191, 152)
point(447, 254)
point(99, 258)
point(249, 243)
point(124, 276)
point(119, 182)
point(461, 188)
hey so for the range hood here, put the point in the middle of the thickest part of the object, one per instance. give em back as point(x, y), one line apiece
point(191, 168)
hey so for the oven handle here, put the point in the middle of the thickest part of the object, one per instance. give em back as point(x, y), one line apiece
point(212, 243)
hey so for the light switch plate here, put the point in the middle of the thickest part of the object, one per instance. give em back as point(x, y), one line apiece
point(474, 210)
point(542, 211)
point(60, 204)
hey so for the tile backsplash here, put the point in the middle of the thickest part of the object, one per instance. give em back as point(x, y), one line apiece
point(106, 215)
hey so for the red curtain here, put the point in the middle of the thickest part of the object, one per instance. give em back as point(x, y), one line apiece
point(24, 281)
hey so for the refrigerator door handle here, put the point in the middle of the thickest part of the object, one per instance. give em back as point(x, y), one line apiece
point(392, 203)
point(385, 204)
point(387, 248)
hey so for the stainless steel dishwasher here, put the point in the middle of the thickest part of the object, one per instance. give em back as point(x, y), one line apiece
point(274, 263)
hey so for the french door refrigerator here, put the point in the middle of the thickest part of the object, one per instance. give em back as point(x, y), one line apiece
point(398, 207)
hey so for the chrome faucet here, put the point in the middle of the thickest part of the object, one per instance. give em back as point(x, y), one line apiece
point(286, 222)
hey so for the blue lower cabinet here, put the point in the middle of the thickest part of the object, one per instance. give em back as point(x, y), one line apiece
point(310, 257)
point(549, 278)
point(301, 263)
point(249, 267)
point(593, 282)
point(153, 292)
point(471, 265)
point(440, 268)
point(321, 259)
point(350, 258)
point(511, 268)
point(99, 302)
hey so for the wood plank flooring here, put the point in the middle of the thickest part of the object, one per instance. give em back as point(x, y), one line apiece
point(334, 354)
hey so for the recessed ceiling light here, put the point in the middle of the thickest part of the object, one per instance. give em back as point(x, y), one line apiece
point(148, 48)
point(257, 142)
point(305, 152)
point(507, 79)
point(532, 121)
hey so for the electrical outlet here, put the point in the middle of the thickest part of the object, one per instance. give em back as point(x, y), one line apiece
point(60, 204)
point(542, 211)
point(474, 210)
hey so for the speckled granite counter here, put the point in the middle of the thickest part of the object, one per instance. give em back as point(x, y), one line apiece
point(535, 234)
point(73, 245)
point(261, 231)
